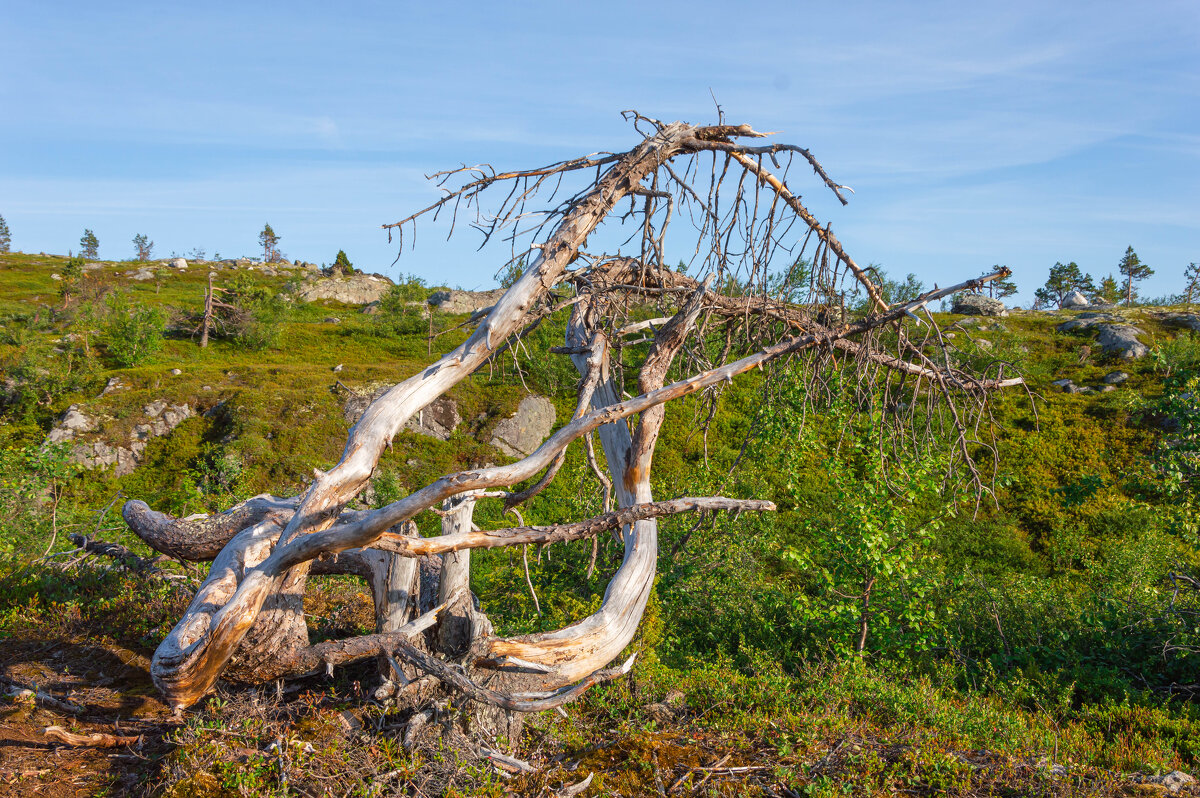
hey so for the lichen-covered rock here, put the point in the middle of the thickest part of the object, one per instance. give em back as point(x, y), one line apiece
point(1190, 321)
point(357, 289)
point(524, 431)
point(1122, 340)
point(464, 301)
point(978, 305)
point(161, 419)
point(73, 422)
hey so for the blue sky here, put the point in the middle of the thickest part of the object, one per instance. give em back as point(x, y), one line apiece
point(972, 133)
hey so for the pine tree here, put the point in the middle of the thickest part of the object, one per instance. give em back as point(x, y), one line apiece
point(143, 245)
point(341, 262)
point(5, 236)
point(1064, 280)
point(1004, 287)
point(89, 245)
point(1109, 291)
point(1132, 268)
point(270, 244)
point(1191, 286)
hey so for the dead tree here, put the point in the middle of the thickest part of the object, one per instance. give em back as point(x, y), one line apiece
point(676, 333)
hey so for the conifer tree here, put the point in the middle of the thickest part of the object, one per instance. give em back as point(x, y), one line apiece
point(1109, 291)
point(1004, 287)
point(1191, 285)
point(89, 245)
point(5, 236)
point(1064, 280)
point(143, 245)
point(270, 244)
point(1134, 271)
point(342, 263)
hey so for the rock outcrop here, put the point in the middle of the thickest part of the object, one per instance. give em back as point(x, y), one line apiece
point(464, 301)
point(160, 419)
point(524, 431)
point(978, 305)
point(438, 419)
point(1112, 333)
point(357, 289)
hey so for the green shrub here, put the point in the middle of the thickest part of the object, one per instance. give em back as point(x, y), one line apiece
point(131, 334)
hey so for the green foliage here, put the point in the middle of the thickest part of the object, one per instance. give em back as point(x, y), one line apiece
point(142, 246)
point(5, 236)
point(342, 263)
point(269, 242)
point(1108, 291)
point(892, 291)
point(131, 333)
point(89, 245)
point(1134, 271)
point(511, 272)
point(72, 274)
point(1064, 279)
point(1002, 288)
point(258, 314)
point(1191, 286)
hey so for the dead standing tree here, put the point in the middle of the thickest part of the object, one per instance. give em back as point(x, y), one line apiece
point(246, 621)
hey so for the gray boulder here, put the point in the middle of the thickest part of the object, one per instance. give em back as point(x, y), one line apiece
point(1114, 378)
point(978, 305)
point(1122, 340)
point(524, 431)
point(144, 273)
point(357, 289)
point(178, 263)
point(1066, 386)
point(455, 302)
point(1073, 300)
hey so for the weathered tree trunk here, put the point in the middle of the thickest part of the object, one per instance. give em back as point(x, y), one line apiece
point(247, 619)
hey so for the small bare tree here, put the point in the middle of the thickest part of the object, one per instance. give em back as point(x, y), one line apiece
point(701, 329)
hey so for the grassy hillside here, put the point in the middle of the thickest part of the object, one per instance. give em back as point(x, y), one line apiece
point(1040, 640)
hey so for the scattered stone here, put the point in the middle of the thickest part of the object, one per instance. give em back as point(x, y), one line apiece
point(1114, 378)
point(524, 431)
point(455, 302)
point(331, 320)
point(91, 267)
point(178, 263)
point(144, 273)
point(1107, 388)
point(206, 387)
point(339, 367)
point(1066, 386)
point(1073, 300)
point(358, 289)
point(371, 308)
point(176, 372)
point(114, 384)
point(984, 344)
point(1085, 321)
point(55, 276)
point(978, 305)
